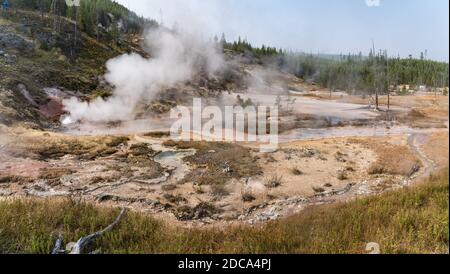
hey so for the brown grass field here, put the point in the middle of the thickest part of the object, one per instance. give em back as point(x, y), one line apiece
point(411, 220)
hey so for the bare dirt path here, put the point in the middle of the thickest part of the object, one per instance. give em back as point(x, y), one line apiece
point(414, 141)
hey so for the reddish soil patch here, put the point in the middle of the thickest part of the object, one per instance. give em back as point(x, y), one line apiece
point(53, 109)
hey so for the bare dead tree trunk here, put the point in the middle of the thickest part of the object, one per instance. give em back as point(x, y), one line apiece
point(97, 22)
point(81, 244)
point(41, 9)
point(84, 241)
point(58, 249)
point(376, 99)
point(76, 28)
point(53, 9)
point(388, 82)
point(389, 100)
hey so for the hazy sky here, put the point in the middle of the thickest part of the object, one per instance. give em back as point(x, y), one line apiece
point(327, 26)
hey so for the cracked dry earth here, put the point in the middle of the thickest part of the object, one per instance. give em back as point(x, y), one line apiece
point(148, 174)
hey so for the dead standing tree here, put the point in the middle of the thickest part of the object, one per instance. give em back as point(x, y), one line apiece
point(54, 9)
point(41, 8)
point(75, 4)
point(375, 73)
point(380, 75)
point(97, 21)
point(76, 29)
point(388, 82)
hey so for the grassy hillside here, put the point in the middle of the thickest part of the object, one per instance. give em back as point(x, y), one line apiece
point(32, 54)
point(93, 16)
point(413, 220)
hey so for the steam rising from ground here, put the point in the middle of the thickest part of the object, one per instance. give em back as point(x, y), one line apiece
point(176, 58)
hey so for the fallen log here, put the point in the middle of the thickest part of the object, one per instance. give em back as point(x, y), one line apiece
point(58, 249)
point(80, 245)
point(84, 241)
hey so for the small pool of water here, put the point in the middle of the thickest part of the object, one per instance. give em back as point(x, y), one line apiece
point(173, 161)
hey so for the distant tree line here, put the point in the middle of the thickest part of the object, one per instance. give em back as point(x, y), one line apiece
point(244, 47)
point(367, 74)
point(353, 73)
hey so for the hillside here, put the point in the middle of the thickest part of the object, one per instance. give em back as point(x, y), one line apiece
point(37, 56)
point(34, 56)
point(38, 51)
point(101, 18)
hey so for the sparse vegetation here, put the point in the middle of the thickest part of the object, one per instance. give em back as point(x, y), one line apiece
point(391, 159)
point(297, 172)
point(141, 149)
point(218, 162)
point(85, 148)
point(53, 175)
point(350, 169)
point(418, 119)
point(342, 176)
point(157, 134)
point(274, 181)
point(200, 211)
point(199, 189)
point(169, 187)
point(413, 220)
point(219, 190)
point(141, 155)
point(318, 190)
point(248, 197)
point(174, 199)
point(8, 179)
point(341, 157)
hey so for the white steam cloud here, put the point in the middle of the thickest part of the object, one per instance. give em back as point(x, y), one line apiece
point(176, 57)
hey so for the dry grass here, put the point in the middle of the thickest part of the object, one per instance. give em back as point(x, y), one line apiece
point(318, 190)
point(174, 199)
point(87, 148)
point(413, 220)
point(274, 181)
point(170, 187)
point(342, 176)
point(391, 159)
point(394, 160)
point(248, 197)
point(419, 119)
point(436, 148)
point(157, 134)
point(200, 211)
point(297, 172)
point(218, 162)
point(219, 191)
point(53, 175)
point(9, 179)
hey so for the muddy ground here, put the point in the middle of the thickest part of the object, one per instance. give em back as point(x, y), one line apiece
point(201, 183)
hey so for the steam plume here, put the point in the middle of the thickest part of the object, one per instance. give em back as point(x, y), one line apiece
point(176, 58)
